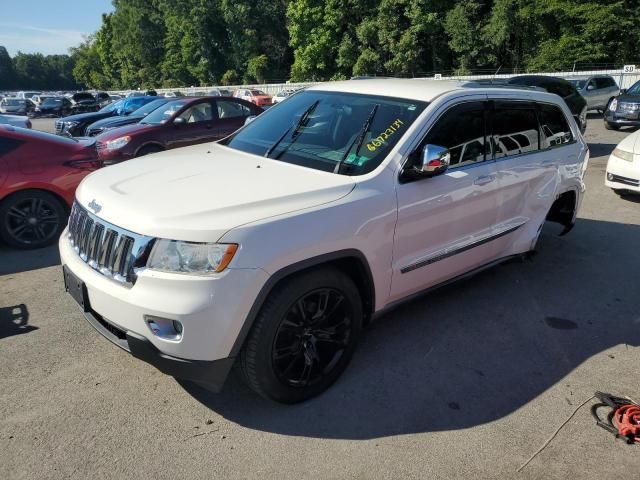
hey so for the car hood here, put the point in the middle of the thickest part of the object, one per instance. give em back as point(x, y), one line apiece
point(201, 192)
point(631, 143)
point(125, 130)
point(628, 98)
point(116, 121)
point(85, 117)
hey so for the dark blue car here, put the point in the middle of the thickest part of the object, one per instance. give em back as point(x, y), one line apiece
point(96, 128)
point(75, 125)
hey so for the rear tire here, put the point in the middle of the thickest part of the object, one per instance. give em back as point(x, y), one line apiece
point(31, 219)
point(304, 336)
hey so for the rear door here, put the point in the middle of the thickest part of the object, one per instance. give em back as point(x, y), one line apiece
point(446, 223)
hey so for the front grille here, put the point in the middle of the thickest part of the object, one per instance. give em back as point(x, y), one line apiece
point(59, 127)
point(114, 252)
point(628, 107)
point(619, 179)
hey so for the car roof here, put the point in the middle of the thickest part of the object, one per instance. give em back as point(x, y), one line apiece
point(415, 89)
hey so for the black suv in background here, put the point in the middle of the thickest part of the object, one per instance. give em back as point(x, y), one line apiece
point(83, 102)
point(576, 102)
point(624, 110)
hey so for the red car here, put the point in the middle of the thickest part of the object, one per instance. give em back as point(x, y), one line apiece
point(179, 123)
point(39, 173)
point(257, 97)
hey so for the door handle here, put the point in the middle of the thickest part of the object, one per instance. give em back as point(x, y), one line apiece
point(484, 179)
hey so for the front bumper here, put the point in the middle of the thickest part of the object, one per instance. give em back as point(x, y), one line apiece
point(212, 311)
point(622, 174)
point(612, 119)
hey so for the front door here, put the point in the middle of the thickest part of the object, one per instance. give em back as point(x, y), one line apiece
point(198, 125)
point(446, 223)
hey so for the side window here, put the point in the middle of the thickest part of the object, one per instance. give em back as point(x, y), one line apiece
point(201, 112)
point(555, 127)
point(592, 84)
point(462, 130)
point(229, 109)
point(515, 129)
point(8, 145)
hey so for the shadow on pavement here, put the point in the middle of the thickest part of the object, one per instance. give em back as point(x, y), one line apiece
point(473, 352)
point(14, 321)
point(601, 149)
point(16, 261)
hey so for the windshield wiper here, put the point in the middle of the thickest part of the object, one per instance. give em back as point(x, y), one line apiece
point(359, 139)
point(296, 129)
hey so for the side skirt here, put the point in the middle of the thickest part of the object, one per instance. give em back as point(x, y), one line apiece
point(426, 291)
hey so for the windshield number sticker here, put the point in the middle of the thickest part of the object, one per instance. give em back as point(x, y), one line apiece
point(378, 141)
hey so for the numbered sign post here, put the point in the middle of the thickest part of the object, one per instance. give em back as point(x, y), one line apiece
point(629, 69)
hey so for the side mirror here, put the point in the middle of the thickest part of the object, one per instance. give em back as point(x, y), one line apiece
point(591, 87)
point(434, 160)
point(623, 91)
point(249, 119)
point(179, 121)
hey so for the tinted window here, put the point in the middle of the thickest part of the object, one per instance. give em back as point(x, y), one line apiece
point(462, 130)
point(229, 109)
point(515, 129)
point(8, 144)
point(555, 127)
point(164, 113)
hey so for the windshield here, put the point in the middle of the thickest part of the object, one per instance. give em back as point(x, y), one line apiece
point(112, 107)
point(51, 102)
point(162, 114)
point(258, 92)
point(333, 131)
point(634, 89)
point(148, 108)
point(79, 97)
point(579, 84)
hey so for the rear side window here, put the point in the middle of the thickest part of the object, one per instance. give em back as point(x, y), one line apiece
point(462, 130)
point(605, 82)
point(229, 109)
point(554, 125)
point(515, 129)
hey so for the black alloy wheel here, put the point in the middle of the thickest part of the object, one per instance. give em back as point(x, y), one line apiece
point(312, 337)
point(304, 336)
point(31, 219)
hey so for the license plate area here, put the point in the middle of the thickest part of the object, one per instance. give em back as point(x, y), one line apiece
point(76, 288)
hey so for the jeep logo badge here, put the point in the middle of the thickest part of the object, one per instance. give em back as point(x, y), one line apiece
point(95, 206)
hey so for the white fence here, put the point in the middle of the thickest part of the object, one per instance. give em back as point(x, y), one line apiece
point(624, 80)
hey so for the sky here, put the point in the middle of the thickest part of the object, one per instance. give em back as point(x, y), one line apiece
point(48, 26)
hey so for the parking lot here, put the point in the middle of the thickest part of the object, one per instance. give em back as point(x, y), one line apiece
point(469, 381)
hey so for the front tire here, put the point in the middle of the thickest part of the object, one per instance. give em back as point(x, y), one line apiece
point(31, 219)
point(304, 336)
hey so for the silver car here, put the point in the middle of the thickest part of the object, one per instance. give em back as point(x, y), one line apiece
point(16, 121)
point(598, 90)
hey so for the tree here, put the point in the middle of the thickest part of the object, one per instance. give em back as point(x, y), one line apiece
point(7, 72)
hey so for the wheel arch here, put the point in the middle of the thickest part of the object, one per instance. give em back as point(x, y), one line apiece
point(57, 195)
point(150, 144)
point(564, 210)
point(352, 262)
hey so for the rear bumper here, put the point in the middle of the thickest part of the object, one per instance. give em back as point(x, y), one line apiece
point(210, 374)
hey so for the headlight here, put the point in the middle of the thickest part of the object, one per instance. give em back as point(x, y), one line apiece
point(70, 125)
point(613, 105)
point(623, 155)
point(192, 258)
point(118, 143)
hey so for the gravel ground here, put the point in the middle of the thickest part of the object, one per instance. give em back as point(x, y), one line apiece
point(467, 382)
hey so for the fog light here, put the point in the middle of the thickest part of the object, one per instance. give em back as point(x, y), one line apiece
point(164, 328)
point(609, 176)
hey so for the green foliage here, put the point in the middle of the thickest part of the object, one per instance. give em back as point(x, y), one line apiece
point(153, 43)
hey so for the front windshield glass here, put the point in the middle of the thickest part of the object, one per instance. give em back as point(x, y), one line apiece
point(258, 92)
point(162, 114)
point(51, 102)
point(148, 108)
point(634, 89)
point(331, 133)
point(112, 107)
point(579, 84)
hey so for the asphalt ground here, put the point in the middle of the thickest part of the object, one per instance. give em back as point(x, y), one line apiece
point(467, 382)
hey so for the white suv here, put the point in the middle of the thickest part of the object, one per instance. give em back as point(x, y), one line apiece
point(276, 246)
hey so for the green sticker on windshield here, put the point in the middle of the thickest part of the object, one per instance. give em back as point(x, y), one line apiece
point(354, 159)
